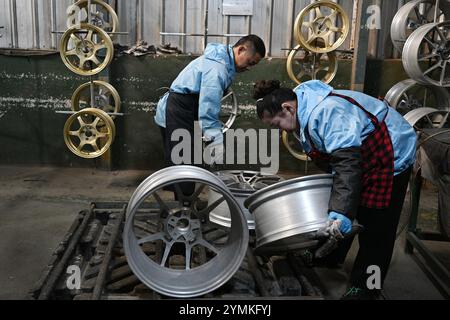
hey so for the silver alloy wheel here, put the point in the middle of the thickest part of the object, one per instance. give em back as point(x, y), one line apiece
point(230, 97)
point(432, 67)
point(286, 213)
point(427, 118)
point(408, 95)
point(413, 15)
point(241, 184)
point(181, 236)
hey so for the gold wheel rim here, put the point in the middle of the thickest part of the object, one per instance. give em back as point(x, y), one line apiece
point(313, 72)
point(103, 92)
point(296, 154)
point(86, 49)
point(321, 27)
point(112, 25)
point(95, 130)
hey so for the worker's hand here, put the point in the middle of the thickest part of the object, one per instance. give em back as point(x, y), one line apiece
point(341, 222)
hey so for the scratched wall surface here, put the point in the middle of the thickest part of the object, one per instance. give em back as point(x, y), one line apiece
point(33, 89)
point(28, 24)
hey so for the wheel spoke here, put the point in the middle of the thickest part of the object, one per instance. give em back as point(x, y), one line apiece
point(212, 206)
point(81, 121)
point(188, 257)
point(208, 245)
point(444, 67)
point(161, 203)
point(437, 65)
point(166, 253)
point(152, 238)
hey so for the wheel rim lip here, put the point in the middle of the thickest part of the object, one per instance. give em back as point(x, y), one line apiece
point(93, 112)
point(154, 183)
point(411, 52)
point(114, 17)
point(76, 99)
point(398, 26)
point(299, 21)
point(104, 36)
point(281, 188)
point(233, 116)
point(416, 115)
point(394, 95)
point(268, 234)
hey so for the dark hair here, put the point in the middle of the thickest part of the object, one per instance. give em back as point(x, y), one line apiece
point(271, 96)
point(256, 43)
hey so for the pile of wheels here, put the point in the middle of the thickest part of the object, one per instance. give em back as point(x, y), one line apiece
point(421, 31)
point(200, 240)
point(86, 48)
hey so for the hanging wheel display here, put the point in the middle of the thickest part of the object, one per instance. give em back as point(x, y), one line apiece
point(229, 110)
point(425, 118)
point(106, 97)
point(408, 95)
point(102, 15)
point(292, 142)
point(89, 133)
point(413, 15)
point(303, 65)
point(86, 50)
point(326, 32)
point(426, 55)
point(171, 249)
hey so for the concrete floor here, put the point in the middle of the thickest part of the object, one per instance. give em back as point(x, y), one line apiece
point(38, 205)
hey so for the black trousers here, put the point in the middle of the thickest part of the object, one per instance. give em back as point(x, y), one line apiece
point(376, 242)
point(181, 113)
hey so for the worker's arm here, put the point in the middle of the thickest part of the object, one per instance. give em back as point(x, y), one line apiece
point(211, 94)
point(338, 133)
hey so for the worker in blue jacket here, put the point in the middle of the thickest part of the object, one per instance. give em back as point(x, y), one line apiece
point(196, 94)
point(370, 149)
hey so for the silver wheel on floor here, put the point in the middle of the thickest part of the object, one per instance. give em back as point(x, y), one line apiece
point(424, 118)
point(186, 262)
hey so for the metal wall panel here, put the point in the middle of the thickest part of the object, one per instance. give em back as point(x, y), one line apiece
point(6, 40)
point(28, 23)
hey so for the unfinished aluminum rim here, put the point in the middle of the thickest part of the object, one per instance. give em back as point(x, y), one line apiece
point(188, 282)
point(402, 96)
point(241, 184)
point(403, 22)
point(439, 56)
point(435, 118)
point(287, 212)
point(233, 112)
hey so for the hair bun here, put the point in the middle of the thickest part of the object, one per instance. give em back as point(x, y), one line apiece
point(264, 87)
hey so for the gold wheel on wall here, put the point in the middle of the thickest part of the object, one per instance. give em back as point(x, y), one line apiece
point(103, 15)
point(293, 146)
point(86, 49)
point(303, 65)
point(89, 133)
point(106, 97)
point(322, 20)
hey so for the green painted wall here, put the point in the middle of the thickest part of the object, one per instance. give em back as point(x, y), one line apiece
point(32, 89)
